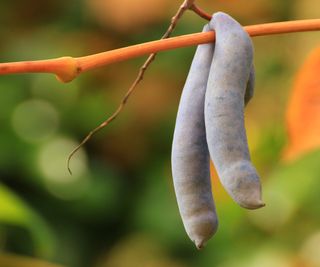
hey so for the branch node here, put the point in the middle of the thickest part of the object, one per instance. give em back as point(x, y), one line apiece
point(69, 71)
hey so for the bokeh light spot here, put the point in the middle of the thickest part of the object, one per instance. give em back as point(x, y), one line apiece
point(52, 164)
point(35, 120)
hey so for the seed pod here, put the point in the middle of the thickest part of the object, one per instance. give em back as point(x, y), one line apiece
point(224, 111)
point(190, 156)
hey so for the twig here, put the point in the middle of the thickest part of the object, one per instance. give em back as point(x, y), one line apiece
point(101, 59)
point(67, 68)
point(174, 20)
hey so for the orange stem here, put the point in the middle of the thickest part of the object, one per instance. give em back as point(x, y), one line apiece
point(67, 68)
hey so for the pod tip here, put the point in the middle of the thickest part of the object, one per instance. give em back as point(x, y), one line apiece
point(199, 244)
point(253, 205)
point(261, 204)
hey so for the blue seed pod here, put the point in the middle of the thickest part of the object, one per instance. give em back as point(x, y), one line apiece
point(224, 111)
point(190, 156)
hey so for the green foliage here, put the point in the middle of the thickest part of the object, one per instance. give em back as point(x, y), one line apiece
point(14, 211)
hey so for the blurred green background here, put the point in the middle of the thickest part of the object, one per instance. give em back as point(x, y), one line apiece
point(119, 209)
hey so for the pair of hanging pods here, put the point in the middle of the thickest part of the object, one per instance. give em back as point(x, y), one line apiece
point(210, 124)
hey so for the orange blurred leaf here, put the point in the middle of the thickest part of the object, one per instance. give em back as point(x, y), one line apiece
point(303, 112)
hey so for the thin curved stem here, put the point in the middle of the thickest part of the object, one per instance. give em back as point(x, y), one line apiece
point(74, 66)
point(174, 21)
point(200, 12)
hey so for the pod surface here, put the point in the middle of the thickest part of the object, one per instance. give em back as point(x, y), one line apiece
point(190, 155)
point(224, 111)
